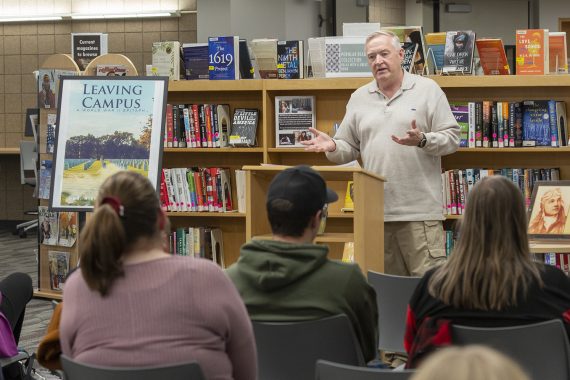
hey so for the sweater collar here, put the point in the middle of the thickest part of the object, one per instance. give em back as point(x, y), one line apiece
point(408, 82)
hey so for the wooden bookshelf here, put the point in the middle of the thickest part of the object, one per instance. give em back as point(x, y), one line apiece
point(332, 95)
point(9, 151)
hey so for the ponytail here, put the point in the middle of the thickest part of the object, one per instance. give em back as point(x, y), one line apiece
point(102, 241)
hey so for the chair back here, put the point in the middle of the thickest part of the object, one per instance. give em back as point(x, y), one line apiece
point(78, 371)
point(393, 294)
point(541, 348)
point(326, 370)
point(28, 160)
point(290, 350)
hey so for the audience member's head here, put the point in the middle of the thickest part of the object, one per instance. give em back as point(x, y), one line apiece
point(469, 363)
point(491, 263)
point(296, 202)
point(127, 217)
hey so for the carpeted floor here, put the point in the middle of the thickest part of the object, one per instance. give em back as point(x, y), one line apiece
point(19, 255)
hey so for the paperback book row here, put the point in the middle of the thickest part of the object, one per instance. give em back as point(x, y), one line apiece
point(200, 189)
point(202, 242)
point(530, 123)
point(457, 183)
point(57, 228)
point(559, 260)
point(209, 126)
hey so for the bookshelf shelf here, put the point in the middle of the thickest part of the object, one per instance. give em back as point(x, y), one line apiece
point(330, 237)
point(9, 151)
point(332, 95)
point(213, 150)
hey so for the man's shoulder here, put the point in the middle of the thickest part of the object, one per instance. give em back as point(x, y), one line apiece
point(340, 268)
point(423, 82)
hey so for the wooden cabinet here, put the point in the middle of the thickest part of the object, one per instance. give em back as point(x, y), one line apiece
point(331, 97)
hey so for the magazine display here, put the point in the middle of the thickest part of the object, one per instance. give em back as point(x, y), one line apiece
point(58, 269)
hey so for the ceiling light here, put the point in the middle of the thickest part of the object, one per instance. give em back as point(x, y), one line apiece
point(30, 18)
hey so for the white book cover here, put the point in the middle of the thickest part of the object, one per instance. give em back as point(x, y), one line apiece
point(166, 59)
point(240, 190)
point(346, 57)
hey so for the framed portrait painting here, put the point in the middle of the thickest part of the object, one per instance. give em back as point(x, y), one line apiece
point(105, 125)
point(548, 213)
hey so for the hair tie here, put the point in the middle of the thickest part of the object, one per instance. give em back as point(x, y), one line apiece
point(115, 203)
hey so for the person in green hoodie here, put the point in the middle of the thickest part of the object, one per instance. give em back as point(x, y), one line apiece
point(290, 278)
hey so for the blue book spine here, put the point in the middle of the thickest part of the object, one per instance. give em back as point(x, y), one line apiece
point(461, 113)
point(553, 123)
point(223, 58)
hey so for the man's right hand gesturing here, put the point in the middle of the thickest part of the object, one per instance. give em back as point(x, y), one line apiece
point(321, 142)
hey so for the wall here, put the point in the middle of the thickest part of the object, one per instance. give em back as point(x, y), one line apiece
point(489, 18)
point(285, 20)
point(387, 12)
point(24, 46)
point(550, 11)
point(347, 11)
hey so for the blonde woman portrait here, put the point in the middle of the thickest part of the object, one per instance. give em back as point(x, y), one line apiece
point(549, 212)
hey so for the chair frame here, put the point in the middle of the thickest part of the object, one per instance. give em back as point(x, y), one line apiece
point(290, 350)
point(73, 370)
point(521, 344)
point(393, 294)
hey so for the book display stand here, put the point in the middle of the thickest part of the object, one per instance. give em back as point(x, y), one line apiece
point(47, 279)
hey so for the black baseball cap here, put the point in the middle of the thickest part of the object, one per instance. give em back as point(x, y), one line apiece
point(303, 187)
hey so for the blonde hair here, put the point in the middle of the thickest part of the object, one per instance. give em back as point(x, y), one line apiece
point(491, 264)
point(379, 33)
point(109, 233)
point(469, 363)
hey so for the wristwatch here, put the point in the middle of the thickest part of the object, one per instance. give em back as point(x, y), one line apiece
point(423, 141)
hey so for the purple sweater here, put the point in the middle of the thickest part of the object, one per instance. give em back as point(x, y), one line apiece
point(164, 311)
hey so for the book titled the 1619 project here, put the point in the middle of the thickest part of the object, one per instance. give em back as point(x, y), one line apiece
point(223, 55)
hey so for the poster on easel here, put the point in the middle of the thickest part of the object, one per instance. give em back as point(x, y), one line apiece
point(105, 125)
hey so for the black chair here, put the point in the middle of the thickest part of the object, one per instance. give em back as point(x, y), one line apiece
point(393, 294)
point(326, 370)
point(288, 351)
point(24, 362)
point(77, 371)
point(541, 348)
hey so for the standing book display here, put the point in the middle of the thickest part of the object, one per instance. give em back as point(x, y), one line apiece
point(54, 259)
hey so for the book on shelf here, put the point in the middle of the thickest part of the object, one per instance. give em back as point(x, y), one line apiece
point(240, 190)
point(492, 56)
point(536, 123)
point(294, 115)
point(346, 57)
point(166, 59)
point(316, 57)
point(196, 189)
point(458, 55)
point(48, 86)
point(246, 70)
point(196, 61)
point(265, 52)
point(562, 123)
point(532, 52)
point(48, 226)
point(223, 53)
point(201, 242)
point(413, 34)
point(557, 53)
point(87, 46)
point(290, 59)
point(45, 179)
point(224, 124)
point(109, 70)
point(410, 50)
point(435, 49)
point(67, 228)
point(244, 127)
point(58, 269)
point(348, 252)
point(460, 111)
point(349, 198)
point(217, 242)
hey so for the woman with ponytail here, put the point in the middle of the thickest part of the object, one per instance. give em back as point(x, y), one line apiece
point(133, 304)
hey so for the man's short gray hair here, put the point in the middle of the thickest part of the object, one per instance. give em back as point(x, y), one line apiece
point(395, 39)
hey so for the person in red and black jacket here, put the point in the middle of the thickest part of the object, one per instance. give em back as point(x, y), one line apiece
point(490, 279)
